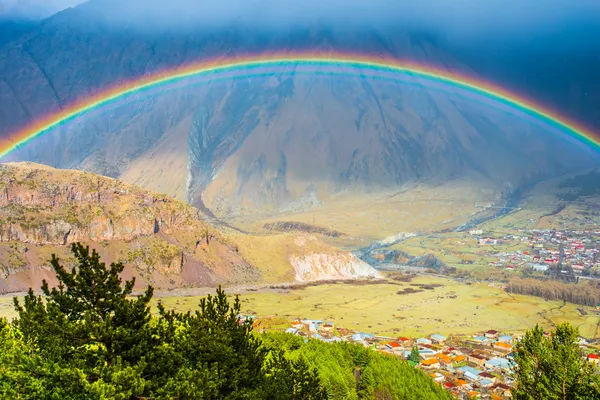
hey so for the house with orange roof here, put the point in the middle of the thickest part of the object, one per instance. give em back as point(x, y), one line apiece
point(444, 359)
point(460, 383)
point(474, 395)
point(296, 324)
point(459, 359)
point(394, 346)
point(503, 347)
point(430, 363)
point(436, 376)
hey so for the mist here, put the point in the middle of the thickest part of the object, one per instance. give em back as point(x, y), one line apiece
point(562, 24)
point(455, 19)
point(33, 9)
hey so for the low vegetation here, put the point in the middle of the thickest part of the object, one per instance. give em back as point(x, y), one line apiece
point(585, 293)
point(581, 185)
point(290, 226)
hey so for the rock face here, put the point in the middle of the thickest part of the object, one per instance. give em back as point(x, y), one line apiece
point(161, 241)
point(284, 142)
point(313, 267)
point(44, 206)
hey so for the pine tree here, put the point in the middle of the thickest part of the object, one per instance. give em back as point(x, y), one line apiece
point(88, 318)
point(414, 355)
point(553, 367)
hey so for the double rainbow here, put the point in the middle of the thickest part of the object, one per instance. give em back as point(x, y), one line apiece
point(313, 63)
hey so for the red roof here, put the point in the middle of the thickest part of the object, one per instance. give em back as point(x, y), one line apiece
point(594, 356)
point(448, 385)
point(403, 339)
point(492, 332)
point(394, 345)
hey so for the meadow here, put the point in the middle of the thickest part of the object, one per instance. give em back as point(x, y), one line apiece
point(375, 217)
point(446, 307)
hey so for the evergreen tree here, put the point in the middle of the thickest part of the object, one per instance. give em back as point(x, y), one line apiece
point(88, 322)
point(88, 338)
point(414, 355)
point(553, 367)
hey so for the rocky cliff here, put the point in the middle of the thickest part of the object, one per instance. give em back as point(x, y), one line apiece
point(312, 267)
point(160, 240)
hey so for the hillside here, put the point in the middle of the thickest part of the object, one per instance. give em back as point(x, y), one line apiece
point(240, 147)
point(162, 241)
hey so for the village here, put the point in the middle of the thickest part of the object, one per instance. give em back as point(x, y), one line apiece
point(470, 367)
point(569, 253)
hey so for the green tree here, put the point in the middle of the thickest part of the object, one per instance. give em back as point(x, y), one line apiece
point(414, 355)
point(213, 339)
point(90, 338)
point(553, 367)
point(88, 315)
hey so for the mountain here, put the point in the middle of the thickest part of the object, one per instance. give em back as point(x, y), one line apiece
point(160, 240)
point(251, 149)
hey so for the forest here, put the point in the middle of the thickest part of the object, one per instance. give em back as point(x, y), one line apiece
point(583, 292)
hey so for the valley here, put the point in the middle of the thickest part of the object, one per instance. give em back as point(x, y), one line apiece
point(288, 200)
point(445, 306)
point(431, 305)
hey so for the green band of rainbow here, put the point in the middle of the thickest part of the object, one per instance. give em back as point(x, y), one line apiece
point(264, 62)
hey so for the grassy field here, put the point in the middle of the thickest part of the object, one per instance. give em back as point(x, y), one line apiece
point(377, 216)
point(452, 307)
point(458, 250)
point(449, 308)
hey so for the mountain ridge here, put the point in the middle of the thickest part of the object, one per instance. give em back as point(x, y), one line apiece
point(161, 241)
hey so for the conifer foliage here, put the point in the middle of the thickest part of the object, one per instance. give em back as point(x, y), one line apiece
point(552, 367)
point(90, 338)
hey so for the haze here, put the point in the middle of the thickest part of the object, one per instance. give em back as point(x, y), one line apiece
point(577, 23)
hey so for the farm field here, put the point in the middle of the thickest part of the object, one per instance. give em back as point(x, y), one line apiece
point(458, 250)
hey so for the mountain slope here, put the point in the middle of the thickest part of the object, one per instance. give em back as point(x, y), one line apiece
point(286, 142)
point(162, 241)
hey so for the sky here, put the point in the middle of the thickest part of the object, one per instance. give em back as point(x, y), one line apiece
point(33, 9)
point(457, 18)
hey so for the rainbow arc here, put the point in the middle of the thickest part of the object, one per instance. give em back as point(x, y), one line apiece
point(295, 63)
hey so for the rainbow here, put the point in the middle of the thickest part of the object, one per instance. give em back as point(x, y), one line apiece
point(296, 63)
